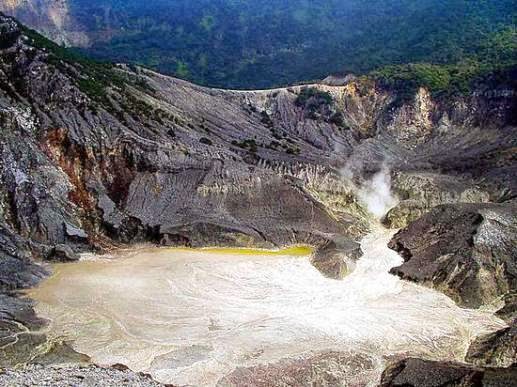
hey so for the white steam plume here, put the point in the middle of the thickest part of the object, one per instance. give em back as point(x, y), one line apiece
point(374, 194)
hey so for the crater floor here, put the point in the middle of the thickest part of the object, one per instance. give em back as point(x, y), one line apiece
point(190, 317)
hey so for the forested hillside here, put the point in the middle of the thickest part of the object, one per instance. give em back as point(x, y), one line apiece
point(264, 43)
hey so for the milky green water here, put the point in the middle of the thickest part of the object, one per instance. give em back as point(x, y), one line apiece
point(189, 317)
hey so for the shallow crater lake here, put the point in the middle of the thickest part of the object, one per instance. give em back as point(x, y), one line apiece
point(192, 316)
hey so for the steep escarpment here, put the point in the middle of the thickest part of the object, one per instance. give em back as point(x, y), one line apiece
point(52, 18)
point(466, 250)
point(105, 155)
point(416, 372)
point(95, 156)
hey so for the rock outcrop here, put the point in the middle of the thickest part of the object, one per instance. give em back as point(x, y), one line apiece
point(336, 258)
point(74, 375)
point(469, 252)
point(498, 349)
point(465, 250)
point(420, 192)
point(421, 373)
point(326, 369)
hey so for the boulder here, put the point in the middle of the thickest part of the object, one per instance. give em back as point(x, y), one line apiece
point(336, 258)
point(63, 253)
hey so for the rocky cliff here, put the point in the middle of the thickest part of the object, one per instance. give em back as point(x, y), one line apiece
point(52, 17)
point(467, 251)
point(95, 156)
point(420, 373)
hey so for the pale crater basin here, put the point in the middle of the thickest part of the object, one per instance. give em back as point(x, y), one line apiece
point(189, 317)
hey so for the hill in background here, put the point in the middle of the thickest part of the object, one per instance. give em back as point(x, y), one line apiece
point(266, 43)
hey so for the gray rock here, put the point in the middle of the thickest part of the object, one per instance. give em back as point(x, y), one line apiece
point(328, 369)
point(336, 258)
point(75, 232)
point(17, 271)
point(508, 310)
point(498, 349)
point(421, 191)
point(128, 166)
point(74, 375)
point(424, 373)
point(19, 327)
point(63, 253)
point(465, 250)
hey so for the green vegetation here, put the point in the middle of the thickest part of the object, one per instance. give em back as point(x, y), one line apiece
point(249, 144)
point(7, 38)
point(338, 120)
point(96, 76)
point(292, 151)
point(496, 58)
point(206, 141)
point(265, 43)
point(182, 69)
point(316, 104)
point(312, 98)
point(444, 45)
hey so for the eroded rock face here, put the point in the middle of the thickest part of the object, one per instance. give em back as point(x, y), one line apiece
point(93, 164)
point(508, 310)
point(465, 250)
point(272, 210)
point(51, 17)
point(422, 373)
point(420, 192)
point(498, 349)
point(325, 369)
point(17, 270)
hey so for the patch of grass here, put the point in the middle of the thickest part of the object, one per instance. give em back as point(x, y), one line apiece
point(249, 144)
point(316, 103)
point(312, 98)
point(206, 141)
point(96, 76)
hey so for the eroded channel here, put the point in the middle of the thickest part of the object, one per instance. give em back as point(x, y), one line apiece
point(189, 317)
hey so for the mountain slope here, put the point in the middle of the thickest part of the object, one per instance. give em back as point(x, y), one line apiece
point(257, 44)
